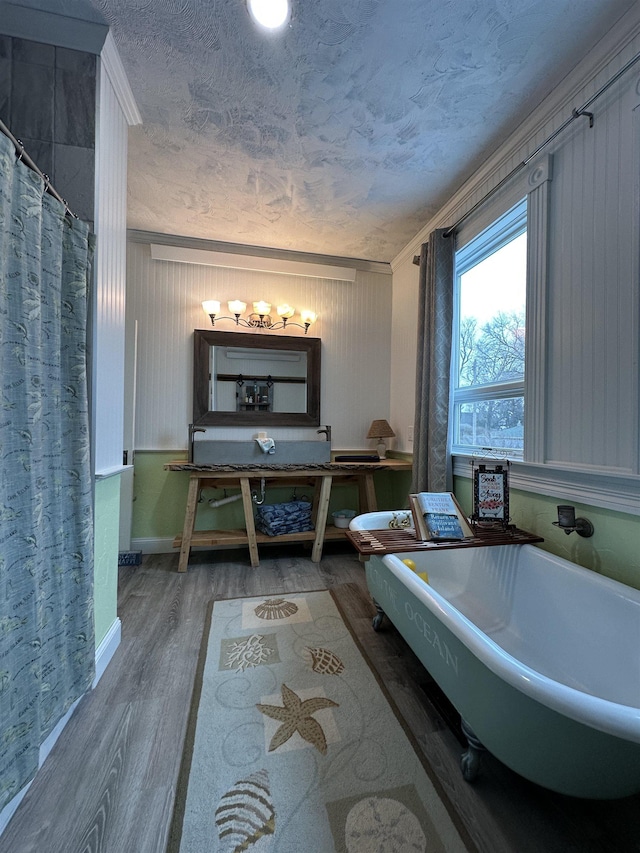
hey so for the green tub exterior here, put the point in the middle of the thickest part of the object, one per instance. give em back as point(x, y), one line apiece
point(540, 744)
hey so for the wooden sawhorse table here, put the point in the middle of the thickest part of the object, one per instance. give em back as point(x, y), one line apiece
point(224, 476)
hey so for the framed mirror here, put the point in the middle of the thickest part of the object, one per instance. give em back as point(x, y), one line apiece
point(244, 379)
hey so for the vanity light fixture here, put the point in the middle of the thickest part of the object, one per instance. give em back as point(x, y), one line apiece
point(260, 318)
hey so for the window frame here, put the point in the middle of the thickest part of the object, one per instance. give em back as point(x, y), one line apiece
point(501, 231)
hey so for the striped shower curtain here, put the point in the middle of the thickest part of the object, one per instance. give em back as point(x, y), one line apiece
point(47, 649)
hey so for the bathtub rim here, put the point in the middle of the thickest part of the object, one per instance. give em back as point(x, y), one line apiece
point(612, 718)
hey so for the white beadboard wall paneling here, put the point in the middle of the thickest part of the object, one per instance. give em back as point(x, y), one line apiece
point(110, 277)
point(403, 353)
point(354, 323)
point(592, 376)
point(635, 274)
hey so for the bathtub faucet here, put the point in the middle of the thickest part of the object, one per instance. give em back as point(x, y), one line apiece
point(193, 428)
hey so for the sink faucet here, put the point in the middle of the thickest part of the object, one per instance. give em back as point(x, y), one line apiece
point(192, 429)
point(326, 431)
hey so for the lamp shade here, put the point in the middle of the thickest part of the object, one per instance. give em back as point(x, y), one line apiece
point(380, 429)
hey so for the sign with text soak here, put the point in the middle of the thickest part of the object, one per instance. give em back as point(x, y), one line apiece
point(491, 494)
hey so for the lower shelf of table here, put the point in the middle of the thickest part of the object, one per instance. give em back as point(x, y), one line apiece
point(239, 537)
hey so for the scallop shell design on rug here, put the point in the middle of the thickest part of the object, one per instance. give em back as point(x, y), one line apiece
point(325, 662)
point(380, 823)
point(275, 608)
point(245, 814)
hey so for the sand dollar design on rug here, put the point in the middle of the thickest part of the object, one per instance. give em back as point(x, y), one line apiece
point(295, 716)
point(246, 814)
point(249, 652)
point(275, 608)
point(324, 661)
point(383, 825)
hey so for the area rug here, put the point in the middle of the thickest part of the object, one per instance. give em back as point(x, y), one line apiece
point(293, 746)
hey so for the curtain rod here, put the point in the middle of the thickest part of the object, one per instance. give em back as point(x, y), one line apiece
point(22, 155)
point(576, 113)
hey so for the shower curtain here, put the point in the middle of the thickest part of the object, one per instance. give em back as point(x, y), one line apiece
point(47, 648)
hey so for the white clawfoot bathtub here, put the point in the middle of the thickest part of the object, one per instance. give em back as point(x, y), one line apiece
point(540, 657)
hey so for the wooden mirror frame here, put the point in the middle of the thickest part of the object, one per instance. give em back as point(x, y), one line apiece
point(203, 416)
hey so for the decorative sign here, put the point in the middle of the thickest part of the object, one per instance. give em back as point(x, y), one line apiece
point(491, 495)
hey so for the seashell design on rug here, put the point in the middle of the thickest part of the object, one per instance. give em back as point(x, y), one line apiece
point(245, 813)
point(324, 661)
point(275, 608)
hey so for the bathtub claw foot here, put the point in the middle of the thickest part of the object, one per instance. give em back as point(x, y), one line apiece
point(378, 618)
point(471, 759)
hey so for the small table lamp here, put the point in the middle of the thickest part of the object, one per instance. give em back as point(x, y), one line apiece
point(381, 430)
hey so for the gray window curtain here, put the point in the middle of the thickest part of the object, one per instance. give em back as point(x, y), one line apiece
point(431, 462)
point(47, 647)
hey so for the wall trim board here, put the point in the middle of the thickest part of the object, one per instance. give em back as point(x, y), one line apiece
point(198, 243)
point(107, 649)
point(164, 545)
point(599, 487)
point(155, 545)
point(230, 260)
point(105, 473)
point(554, 108)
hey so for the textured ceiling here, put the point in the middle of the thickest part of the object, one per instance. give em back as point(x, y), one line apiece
point(342, 134)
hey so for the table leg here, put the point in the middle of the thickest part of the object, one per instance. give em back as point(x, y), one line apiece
point(321, 519)
point(247, 504)
point(367, 493)
point(189, 522)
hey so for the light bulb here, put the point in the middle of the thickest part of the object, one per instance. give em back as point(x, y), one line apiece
point(308, 317)
point(286, 311)
point(237, 307)
point(270, 14)
point(211, 306)
point(262, 308)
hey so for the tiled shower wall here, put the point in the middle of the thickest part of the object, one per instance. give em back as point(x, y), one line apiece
point(48, 101)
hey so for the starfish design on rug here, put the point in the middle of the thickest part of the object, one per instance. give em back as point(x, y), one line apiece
point(295, 716)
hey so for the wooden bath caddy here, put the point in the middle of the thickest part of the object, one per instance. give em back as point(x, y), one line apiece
point(390, 541)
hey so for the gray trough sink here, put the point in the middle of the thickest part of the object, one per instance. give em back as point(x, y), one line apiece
point(230, 452)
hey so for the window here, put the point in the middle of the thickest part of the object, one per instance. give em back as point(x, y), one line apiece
point(489, 338)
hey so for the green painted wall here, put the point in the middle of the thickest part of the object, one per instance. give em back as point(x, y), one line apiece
point(160, 497)
point(106, 525)
point(613, 550)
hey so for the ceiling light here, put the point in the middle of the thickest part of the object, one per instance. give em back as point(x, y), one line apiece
point(269, 13)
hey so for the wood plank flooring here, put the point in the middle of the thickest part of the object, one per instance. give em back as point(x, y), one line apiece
point(108, 785)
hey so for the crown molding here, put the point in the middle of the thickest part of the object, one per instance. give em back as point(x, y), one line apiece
point(112, 65)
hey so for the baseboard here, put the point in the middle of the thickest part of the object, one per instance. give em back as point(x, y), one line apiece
point(107, 649)
point(153, 546)
point(104, 653)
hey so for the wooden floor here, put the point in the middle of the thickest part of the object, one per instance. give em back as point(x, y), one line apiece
point(108, 785)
